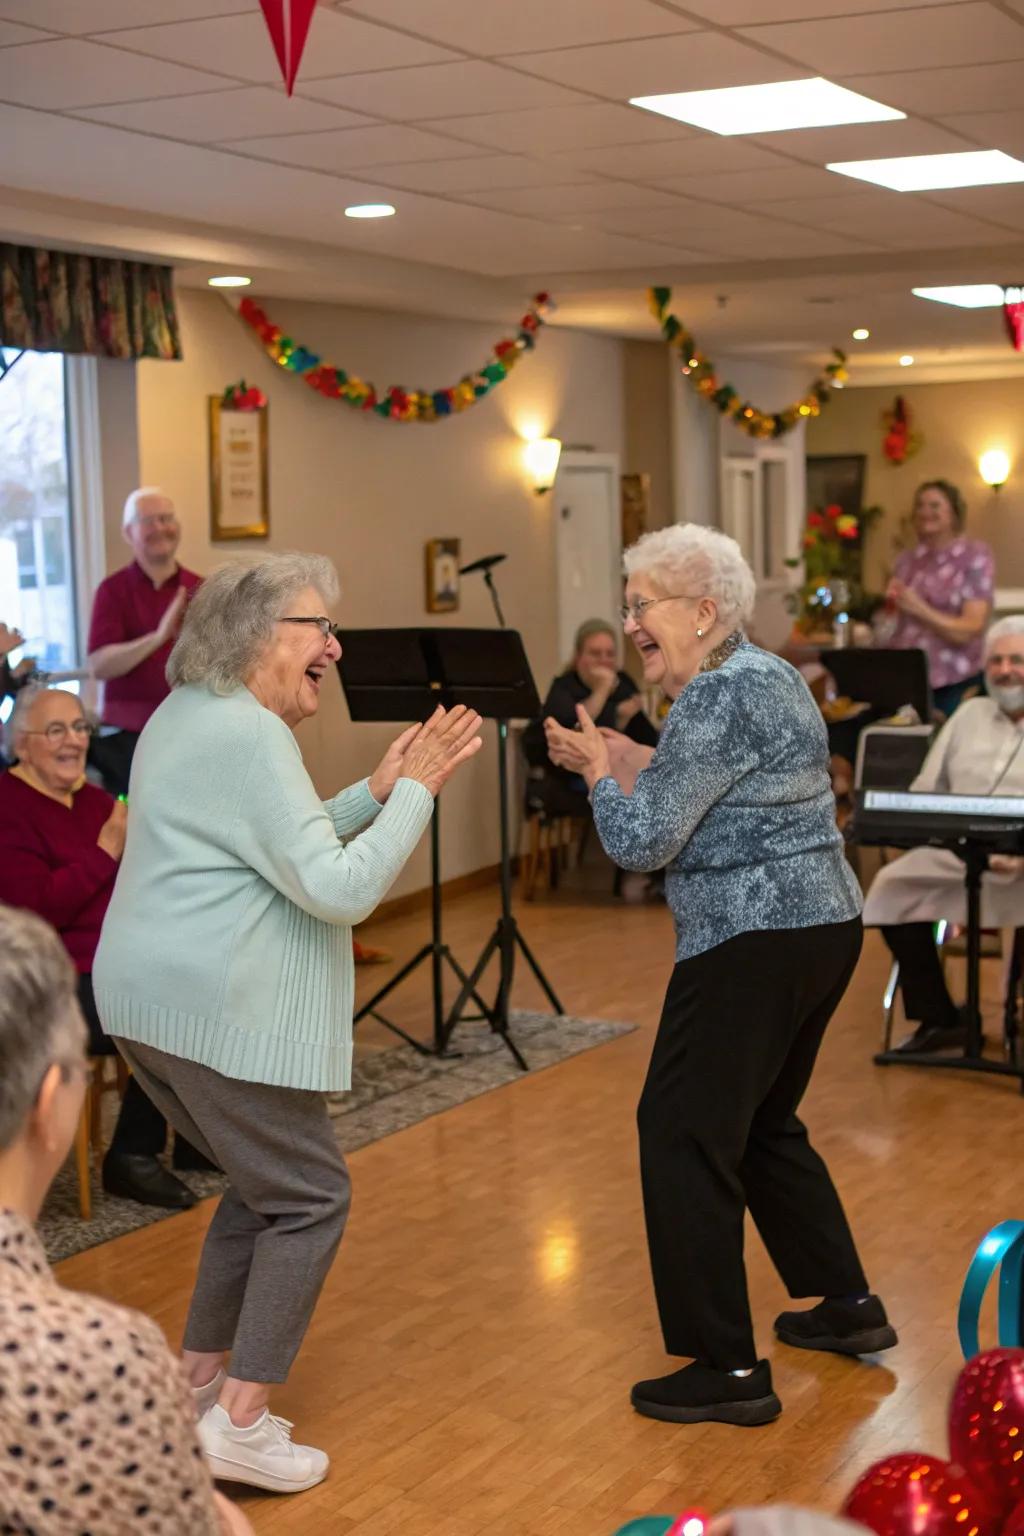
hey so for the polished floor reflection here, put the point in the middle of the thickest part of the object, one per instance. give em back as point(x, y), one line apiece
point(469, 1366)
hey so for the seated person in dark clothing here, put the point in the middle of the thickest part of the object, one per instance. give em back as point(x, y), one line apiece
point(610, 697)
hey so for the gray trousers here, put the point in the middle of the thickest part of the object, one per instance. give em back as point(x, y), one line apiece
point(279, 1223)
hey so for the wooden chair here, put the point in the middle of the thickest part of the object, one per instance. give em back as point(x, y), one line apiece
point(89, 1134)
point(552, 842)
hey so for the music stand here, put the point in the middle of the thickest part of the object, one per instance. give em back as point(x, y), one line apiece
point(884, 678)
point(403, 674)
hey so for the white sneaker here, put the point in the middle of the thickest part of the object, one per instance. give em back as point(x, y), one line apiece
point(205, 1397)
point(262, 1455)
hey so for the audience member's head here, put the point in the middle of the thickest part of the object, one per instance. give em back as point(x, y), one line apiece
point(43, 1068)
point(254, 623)
point(595, 649)
point(150, 525)
point(940, 511)
point(1004, 664)
point(49, 735)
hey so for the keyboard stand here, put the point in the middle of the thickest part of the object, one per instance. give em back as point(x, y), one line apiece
point(970, 1059)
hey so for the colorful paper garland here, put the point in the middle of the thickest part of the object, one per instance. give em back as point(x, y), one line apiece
point(396, 403)
point(701, 372)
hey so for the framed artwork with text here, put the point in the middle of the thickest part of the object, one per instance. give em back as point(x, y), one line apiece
point(239, 492)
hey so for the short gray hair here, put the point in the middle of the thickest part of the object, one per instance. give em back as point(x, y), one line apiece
point(231, 617)
point(25, 701)
point(39, 1019)
point(690, 559)
point(1013, 624)
point(144, 492)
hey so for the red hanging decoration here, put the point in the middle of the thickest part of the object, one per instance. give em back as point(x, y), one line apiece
point(288, 24)
point(1013, 315)
point(901, 442)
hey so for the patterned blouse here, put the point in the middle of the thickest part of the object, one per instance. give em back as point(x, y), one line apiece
point(946, 579)
point(737, 806)
point(97, 1430)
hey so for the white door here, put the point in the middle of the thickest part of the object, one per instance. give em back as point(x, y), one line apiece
point(588, 542)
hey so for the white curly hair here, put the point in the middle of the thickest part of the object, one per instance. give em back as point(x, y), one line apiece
point(688, 559)
point(1011, 624)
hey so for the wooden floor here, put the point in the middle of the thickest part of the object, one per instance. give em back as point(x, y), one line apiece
point(469, 1365)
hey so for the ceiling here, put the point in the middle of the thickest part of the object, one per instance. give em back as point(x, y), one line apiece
point(502, 133)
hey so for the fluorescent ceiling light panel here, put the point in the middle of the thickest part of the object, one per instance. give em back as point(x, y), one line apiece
point(772, 108)
point(927, 173)
point(966, 296)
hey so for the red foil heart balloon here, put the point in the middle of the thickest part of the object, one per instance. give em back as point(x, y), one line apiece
point(917, 1495)
point(986, 1426)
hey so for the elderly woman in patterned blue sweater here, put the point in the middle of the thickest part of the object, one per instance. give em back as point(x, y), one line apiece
point(735, 801)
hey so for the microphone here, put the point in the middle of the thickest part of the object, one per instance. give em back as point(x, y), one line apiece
point(483, 564)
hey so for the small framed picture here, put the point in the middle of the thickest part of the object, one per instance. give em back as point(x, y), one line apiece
point(239, 497)
point(442, 575)
point(636, 497)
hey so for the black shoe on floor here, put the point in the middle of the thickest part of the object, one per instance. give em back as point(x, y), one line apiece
point(136, 1176)
point(933, 1037)
point(697, 1394)
point(840, 1326)
point(188, 1159)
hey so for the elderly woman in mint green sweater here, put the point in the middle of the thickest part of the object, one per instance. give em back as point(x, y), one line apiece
point(224, 970)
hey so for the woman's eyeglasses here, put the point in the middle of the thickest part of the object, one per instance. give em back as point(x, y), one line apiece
point(324, 625)
point(57, 731)
point(639, 606)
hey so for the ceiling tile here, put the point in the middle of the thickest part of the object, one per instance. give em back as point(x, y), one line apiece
point(567, 203)
point(1002, 205)
point(993, 130)
point(864, 141)
point(695, 156)
point(482, 173)
point(470, 85)
point(763, 186)
point(241, 45)
point(914, 39)
point(235, 114)
point(780, 245)
point(699, 61)
point(492, 28)
point(734, 13)
point(942, 92)
point(553, 128)
point(69, 72)
point(901, 220)
point(77, 17)
point(11, 33)
point(352, 148)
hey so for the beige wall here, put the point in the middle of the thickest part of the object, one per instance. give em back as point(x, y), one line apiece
point(958, 423)
point(369, 493)
point(648, 406)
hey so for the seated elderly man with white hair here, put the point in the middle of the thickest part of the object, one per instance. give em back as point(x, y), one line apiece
point(136, 616)
point(979, 751)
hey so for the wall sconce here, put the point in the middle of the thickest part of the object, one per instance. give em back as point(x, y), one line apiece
point(541, 457)
point(994, 467)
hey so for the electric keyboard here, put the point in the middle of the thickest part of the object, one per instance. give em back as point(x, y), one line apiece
point(911, 819)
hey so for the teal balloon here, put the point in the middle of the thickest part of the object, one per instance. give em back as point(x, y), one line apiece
point(650, 1525)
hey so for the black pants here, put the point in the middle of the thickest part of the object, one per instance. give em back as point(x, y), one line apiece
point(719, 1134)
point(112, 756)
point(926, 998)
point(140, 1125)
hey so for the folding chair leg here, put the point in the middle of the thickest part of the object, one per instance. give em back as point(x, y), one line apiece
point(82, 1160)
point(889, 1005)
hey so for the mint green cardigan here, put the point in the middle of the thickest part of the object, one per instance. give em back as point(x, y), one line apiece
point(228, 937)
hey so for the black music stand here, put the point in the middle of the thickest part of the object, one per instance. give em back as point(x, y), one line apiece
point(403, 674)
point(885, 679)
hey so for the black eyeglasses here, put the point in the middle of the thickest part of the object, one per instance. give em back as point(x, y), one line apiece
point(323, 624)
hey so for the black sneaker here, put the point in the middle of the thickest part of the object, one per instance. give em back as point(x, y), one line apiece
point(698, 1393)
point(843, 1327)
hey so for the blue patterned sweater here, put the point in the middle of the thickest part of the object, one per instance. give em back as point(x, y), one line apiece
point(737, 804)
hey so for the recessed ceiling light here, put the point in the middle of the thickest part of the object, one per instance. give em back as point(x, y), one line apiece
point(906, 360)
point(926, 173)
point(228, 282)
point(861, 333)
point(369, 211)
point(965, 296)
point(771, 108)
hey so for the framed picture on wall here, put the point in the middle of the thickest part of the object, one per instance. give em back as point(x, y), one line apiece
point(636, 499)
point(836, 479)
point(442, 567)
point(239, 489)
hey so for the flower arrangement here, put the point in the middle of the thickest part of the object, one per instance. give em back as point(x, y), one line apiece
point(832, 558)
point(242, 397)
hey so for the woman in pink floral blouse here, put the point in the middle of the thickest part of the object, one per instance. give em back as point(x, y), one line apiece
point(941, 592)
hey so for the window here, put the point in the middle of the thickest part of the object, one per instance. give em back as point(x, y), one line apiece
point(37, 585)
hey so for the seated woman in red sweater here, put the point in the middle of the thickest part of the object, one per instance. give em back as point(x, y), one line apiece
point(60, 843)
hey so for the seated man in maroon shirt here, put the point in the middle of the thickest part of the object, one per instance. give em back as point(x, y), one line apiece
point(136, 616)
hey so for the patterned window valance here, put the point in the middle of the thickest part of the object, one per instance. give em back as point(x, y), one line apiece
point(59, 301)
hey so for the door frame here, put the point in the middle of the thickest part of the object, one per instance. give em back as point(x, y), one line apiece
point(610, 464)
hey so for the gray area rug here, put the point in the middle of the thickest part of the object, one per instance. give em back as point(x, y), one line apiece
point(391, 1090)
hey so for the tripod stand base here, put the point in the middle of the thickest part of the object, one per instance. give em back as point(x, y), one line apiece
point(503, 942)
point(438, 955)
point(967, 1062)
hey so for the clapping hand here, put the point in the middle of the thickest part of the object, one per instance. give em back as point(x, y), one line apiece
point(583, 751)
point(170, 622)
point(389, 770)
point(447, 739)
point(10, 639)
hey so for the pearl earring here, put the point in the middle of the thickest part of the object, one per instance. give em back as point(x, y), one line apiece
point(700, 634)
